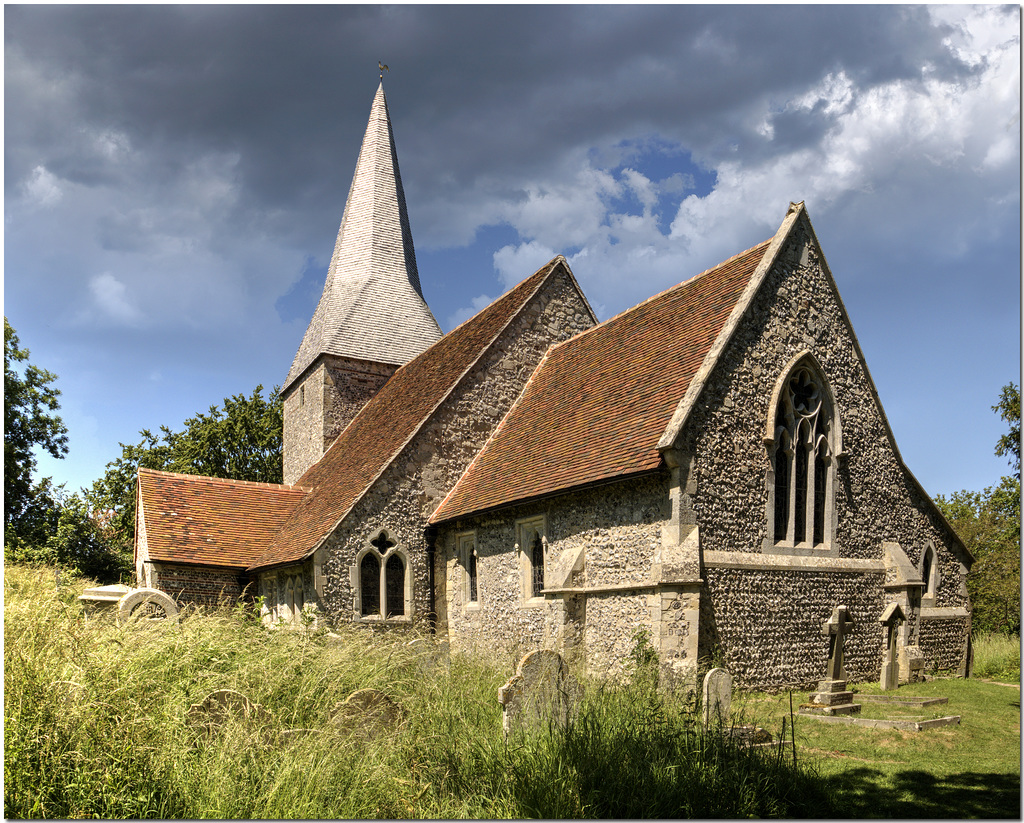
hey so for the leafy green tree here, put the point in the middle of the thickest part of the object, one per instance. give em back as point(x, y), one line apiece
point(241, 441)
point(1009, 409)
point(989, 524)
point(30, 401)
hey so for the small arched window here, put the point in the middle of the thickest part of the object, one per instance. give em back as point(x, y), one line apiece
point(802, 451)
point(930, 575)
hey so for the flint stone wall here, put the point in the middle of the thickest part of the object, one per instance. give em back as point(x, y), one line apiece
point(765, 626)
point(942, 641)
point(876, 500)
point(412, 487)
point(617, 527)
point(319, 406)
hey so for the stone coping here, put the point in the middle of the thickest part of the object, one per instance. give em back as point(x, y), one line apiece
point(943, 612)
point(785, 562)
point(902, 725)
point(901, 701)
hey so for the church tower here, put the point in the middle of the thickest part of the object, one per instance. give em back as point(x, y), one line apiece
point(371, 318)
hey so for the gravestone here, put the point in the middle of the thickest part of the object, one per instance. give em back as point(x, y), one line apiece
point(367, 713)
point(891, 619)
point(429, 656)
point(146, 604)
point(214, 710)
point(716, 697)
point(541, 691)
point(832, 696)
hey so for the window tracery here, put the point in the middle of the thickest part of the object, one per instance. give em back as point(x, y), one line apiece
point(381, 579)
point(802, 456)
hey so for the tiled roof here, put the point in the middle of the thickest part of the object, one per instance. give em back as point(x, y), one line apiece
point(386, 423)
point(372, 307)
point(194, 519)
point(598, 403)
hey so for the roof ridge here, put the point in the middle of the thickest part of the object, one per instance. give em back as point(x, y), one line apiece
point(542, 275)
point(660, 295)
point(223, 480)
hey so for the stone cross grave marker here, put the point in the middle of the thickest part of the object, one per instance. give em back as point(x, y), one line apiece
point(890, 620)
point(716, 697)
point(541, 691)
point(837, 627)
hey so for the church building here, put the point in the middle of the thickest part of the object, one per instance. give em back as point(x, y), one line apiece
point(710, 470)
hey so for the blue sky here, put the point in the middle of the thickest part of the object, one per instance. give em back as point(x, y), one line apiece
point(175, 178)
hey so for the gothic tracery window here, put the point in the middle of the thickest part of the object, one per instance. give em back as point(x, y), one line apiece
point(802, 461)
point(382, 578)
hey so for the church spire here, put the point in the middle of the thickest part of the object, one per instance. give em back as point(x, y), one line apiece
point(372, 306)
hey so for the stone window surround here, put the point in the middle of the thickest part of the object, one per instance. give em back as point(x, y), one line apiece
point(278, 609)
point(829, 547)
point(354, 573)
point(466, 544)
point(526, 528)
point(933, 576)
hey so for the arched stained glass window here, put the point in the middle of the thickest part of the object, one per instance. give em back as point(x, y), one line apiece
point(802, 461)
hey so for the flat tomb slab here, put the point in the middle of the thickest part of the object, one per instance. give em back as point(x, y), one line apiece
point(902, 725)
point(901, 701)
point(817, 709)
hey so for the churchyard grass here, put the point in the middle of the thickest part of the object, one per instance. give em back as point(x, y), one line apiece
point(997, 656)
point(96, 724)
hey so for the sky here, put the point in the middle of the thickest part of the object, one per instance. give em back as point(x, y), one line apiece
point(175, 177)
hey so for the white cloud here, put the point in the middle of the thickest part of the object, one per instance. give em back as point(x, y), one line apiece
point(514, 263)
point(110, 297)
point(42, 188)
point(463, 314)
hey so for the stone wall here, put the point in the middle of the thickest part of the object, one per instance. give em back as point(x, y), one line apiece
point(876, 500)
point(413, 485)
point(765, 626)
point(199, 585)
point(600, 542)
point(319, 406)
point(943, 642)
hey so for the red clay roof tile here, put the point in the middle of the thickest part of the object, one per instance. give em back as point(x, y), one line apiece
point(598, 403)
point(209, 520)
point(386, 423)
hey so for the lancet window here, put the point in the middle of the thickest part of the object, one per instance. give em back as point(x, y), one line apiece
point(803, 462)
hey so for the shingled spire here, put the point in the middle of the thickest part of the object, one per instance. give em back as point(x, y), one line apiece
point(371, 317)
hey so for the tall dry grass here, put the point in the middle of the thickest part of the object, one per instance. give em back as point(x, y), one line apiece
point(96, 724)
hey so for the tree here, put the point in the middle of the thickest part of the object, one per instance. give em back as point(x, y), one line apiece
point(1009, 409)
point(29, 423)
point(989, 524)
point(242, 441)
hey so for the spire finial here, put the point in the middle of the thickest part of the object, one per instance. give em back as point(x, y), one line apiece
point(383, 68)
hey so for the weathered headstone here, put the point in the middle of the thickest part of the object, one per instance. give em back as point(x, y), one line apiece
point(716, 698)
point(541, 691)
point(368, 713)
point(214, 710)
point(891, 619)
point(146, 604)
point(428, 656)
point(832, 696)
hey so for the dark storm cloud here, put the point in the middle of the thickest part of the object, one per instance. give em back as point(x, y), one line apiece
point(483, 91)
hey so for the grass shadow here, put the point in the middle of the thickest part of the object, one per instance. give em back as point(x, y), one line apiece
point(866, 792)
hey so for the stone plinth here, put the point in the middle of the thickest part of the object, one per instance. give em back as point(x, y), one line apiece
point(832, 697)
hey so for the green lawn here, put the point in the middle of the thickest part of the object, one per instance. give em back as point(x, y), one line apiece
point(966, 770)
